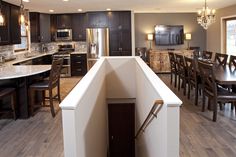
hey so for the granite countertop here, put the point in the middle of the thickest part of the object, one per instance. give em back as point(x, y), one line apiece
point(17, 71)
point(79, 52)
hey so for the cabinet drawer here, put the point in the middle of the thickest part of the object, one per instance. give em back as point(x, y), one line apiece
point(78, 57)
point(78, 71)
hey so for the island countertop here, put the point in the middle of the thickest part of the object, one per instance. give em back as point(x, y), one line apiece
point(12, 72)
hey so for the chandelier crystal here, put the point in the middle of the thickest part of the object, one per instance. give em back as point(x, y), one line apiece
point(206, 16)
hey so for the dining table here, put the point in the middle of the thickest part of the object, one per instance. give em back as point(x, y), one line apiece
point(21, 77)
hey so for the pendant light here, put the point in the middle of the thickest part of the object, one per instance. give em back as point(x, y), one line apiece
point(22, 15)
point(2, 20)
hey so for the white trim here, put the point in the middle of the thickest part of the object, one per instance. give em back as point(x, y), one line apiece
point(222, 32)
point(133, 33)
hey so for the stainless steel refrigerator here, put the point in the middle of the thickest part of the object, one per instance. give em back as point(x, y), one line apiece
point(97, 44)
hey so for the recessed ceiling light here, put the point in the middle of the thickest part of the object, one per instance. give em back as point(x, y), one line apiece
point(108, 9)
point(26, 0)
point(65, 0)
point(51, 11)
point(80, 10)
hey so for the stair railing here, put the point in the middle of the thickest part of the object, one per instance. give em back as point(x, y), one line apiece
point(151, 115)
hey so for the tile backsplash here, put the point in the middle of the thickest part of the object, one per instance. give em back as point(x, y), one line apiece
point(8, 50)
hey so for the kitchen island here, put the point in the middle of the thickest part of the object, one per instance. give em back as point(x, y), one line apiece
point(20, 77)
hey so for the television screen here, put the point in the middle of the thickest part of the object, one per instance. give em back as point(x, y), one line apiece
point(169, 35)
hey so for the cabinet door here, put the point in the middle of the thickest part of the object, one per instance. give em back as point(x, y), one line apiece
point(125, 20)
point(120, 20)
point(45, 35)
point(64, 21)
point(34, 27)
point(79, 27)
point(114, 41)
point(15, 25)
point(97, 19)
point(53, 27)
point(125, 42)
point(5, 30)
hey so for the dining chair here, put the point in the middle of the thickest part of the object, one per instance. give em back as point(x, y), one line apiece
point(193, 79)
point(207, 54)
point(221, 59)
point(47, 85)
point(210, 88)
point(9, 92)
point(181, 72)
point(232, 61)
point(173, 68)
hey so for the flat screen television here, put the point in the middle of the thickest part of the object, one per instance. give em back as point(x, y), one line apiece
point(169, 35)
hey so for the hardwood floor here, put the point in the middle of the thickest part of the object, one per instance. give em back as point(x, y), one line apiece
point(38, 136)
point(199, 135)
point(41, 135)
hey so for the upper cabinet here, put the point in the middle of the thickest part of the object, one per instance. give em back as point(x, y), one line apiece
point(120, 33)
point(5, 30)
point(40, 27)
point(15, 25)
point(64, 21)
point(79, 27)
point(97, 19)
point(119, 20)
point(10, 32)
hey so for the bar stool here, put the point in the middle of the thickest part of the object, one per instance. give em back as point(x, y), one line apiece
point(53, 82)
point(9, 92)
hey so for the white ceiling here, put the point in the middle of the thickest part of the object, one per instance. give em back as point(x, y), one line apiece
point(135, 5)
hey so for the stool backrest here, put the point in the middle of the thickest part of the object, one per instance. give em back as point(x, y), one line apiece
point(55, 72)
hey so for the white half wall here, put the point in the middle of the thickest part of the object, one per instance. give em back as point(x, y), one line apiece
point(120, 77)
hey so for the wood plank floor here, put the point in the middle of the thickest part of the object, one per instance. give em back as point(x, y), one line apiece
point(38, 136)
point(41, 135)
point(199, 135)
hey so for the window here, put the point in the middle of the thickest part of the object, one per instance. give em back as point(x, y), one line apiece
point(24, 40)
point(231, 36)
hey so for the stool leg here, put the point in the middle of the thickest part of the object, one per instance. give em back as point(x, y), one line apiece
point(51, 103)
point(58, 92)
point(13, 102)
point(31, 100)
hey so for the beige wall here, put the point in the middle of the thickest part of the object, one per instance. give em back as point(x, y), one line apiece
point(214, 31)
point(145, 22)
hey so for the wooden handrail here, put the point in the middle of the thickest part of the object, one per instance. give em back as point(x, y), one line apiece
point(151, 115)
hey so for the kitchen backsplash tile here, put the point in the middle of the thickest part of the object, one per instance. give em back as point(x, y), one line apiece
point(37, 47)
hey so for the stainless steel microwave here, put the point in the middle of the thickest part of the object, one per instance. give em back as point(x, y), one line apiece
point(64, 35)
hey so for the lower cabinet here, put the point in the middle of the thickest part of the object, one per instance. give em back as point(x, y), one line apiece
point(78, 64)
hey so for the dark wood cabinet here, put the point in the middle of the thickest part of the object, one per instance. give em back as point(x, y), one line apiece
point(45, 34)
point(120, 20)
point(78, 64)
point(5, 30)
point(64, 21)
point(79, 27)
point(15, 25)
point(120, 33)
point(53, 27)
point(40, 27)
point(97, 19)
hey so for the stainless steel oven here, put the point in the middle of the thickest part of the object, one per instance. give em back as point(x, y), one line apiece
point(64, 35)
point(66, 69)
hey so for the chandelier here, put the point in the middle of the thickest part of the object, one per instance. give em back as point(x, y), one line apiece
point(206, 16)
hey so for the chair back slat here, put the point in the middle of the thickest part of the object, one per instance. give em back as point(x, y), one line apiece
point(206, 70)
point(207, 54)
point(55, 71)
point(232, 61)
point(180, 64)
point(191, 69)
point(172, 61)
point(221, 59)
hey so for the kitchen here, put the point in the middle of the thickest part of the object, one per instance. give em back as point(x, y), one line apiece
point(61, 29)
